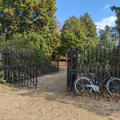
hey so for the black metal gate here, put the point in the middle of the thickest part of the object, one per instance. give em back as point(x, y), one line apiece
point(19, 67)
point(82, 61)
point(72, 58)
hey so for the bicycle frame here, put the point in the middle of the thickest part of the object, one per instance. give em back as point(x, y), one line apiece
point(87, 83)
point(103, 80)
point(95, 85)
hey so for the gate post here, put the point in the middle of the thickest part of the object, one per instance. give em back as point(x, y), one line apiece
point(36, 72)
point(75, 66)
point(68, 69)
point(72, 58)
point(57, 63)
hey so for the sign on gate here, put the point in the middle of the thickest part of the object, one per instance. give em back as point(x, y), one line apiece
point(0, 56)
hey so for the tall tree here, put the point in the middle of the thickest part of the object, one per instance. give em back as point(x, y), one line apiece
point(71, 34)
point(23, 15)
point(106, 38)
point(90, 29)
point(78, 33)
point(32, 21)
point(117, 11)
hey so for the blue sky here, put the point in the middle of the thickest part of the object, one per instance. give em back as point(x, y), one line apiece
point(98, 9)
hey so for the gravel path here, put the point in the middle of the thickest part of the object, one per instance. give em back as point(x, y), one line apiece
point(51, 102)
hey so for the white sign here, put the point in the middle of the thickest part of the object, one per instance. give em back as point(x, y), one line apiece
point(0, 56)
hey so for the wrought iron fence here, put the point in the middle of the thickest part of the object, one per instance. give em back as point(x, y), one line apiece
point(19, 67)
point(23, 67)
point(82, 61)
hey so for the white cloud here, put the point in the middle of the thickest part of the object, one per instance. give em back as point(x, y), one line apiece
point(110, 21)
point(107, 6)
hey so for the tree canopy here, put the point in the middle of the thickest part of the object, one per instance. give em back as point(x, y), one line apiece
point(23, 15)
point(106, 38)
point(32, 21)
point(78, 33)
point(117, 11)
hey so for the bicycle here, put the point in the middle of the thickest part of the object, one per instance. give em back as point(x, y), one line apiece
point(87, 84)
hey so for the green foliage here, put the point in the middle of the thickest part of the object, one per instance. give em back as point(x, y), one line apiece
point(2, 40)
point(18, 41)
point(34, 40)
point(78, 33)
point(1, 73)
point(90, 29)
point(29, 24)
point(23, 15)
point(117, 11)
point(106, 38)
point(44, 63)
point(43, 60)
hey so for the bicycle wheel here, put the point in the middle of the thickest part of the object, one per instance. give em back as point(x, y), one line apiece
point(113, 86)
point(81, 83)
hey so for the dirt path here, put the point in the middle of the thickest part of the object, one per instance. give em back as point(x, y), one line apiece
point(51, 102)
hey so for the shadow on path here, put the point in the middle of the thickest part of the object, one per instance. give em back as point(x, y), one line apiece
point(53, 88)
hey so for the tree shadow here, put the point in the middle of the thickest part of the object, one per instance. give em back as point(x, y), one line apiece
point(53, 88)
